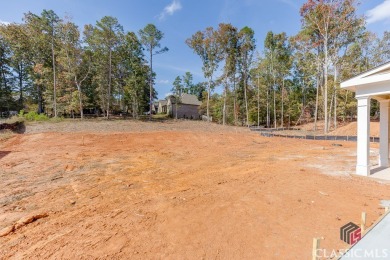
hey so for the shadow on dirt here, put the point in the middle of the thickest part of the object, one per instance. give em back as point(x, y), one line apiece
point(4, 153)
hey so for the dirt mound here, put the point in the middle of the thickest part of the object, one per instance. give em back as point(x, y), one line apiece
point(351, 129)
point(343, 129)
point(178, 193)
point(310, 126)
point(17, 127)
point(319, 126)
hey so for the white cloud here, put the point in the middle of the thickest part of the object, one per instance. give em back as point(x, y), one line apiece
point(4, 22)
point(163, 81)
point(379, 13)
point(170, 9)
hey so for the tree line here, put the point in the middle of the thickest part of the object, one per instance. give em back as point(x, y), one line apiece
point(294, 78)
point(47, 65)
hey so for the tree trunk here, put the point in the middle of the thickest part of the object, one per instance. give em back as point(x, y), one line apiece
point(151, 84)
point(326, 85)
point(234, 101)
point(208, 100)
point(316, 109)
point(103, 100)
point(40, 101)
point(135, 98)
point(274, 91)
point(21, 86)
point(268, 110)
point(80, 102)
point(120, 98)
point(109, 85)
point(330, 112)
point(335, 98)
point(224, 104)
point(258, 102)
point(176, 101)
point(133, 108)
point(54, 77)
point(282, 113)
point(345, 105)
point(246, 101)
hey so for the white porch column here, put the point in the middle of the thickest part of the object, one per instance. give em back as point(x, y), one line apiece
point(363, 136)
point(384, 133)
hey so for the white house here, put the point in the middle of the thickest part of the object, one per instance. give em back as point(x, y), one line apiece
point(375, 84)
point(187, 106)
point(162, 106)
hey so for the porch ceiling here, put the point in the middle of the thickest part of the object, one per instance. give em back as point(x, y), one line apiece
point(382, 97)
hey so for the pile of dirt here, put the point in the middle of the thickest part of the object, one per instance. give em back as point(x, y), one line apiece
point(177, 191)
point(16, 127)
point(351, 130)
point(310, 126)
point(343, 129)
point(319, 126)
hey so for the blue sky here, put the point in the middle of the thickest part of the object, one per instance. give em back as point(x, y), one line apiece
point(179, 19)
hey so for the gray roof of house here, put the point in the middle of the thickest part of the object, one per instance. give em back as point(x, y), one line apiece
point(189, 99)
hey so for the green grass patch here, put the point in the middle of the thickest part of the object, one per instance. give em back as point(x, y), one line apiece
point(160, 116)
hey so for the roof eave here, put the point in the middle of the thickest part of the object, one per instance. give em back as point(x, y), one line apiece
point(385, 65)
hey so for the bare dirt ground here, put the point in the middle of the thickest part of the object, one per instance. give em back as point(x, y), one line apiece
point(104, 126)
point(175, 190)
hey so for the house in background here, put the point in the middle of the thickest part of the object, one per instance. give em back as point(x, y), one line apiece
point(155, 107)
point(187, 106)
point(162, 107)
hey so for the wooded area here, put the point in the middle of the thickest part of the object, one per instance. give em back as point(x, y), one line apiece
point(294, 78)
point(47, 65)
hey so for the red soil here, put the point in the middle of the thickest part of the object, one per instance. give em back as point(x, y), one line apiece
point(351, 129)
point(178, 194)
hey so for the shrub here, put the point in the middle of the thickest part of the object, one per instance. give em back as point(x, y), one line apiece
point(21, 113)
point(33, 116)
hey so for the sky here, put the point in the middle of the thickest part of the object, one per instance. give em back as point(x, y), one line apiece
point(179, 19)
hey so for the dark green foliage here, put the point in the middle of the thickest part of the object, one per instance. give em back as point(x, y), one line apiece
point(48, 66)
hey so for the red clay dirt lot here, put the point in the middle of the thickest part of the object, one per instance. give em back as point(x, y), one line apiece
point(175, 190)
